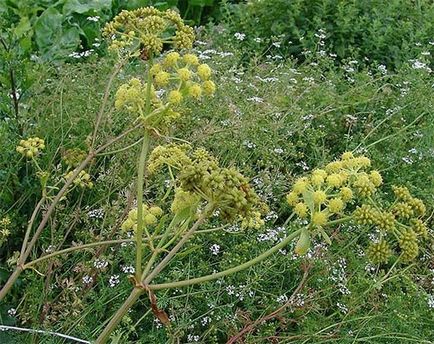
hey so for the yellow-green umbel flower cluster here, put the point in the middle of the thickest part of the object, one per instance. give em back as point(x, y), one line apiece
point(150, 217)
point(183, 76)
point(132, 96)
point(174, 156)
point(176, 79)
point(82, 180)
point(199, 176)
point(323, 195)
point(399, 225)
point(147, 30)
point(31, 147)
point(73, 157)
point(331, 193)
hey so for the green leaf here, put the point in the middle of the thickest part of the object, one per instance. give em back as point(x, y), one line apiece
point(85, 6)
point(55, 42)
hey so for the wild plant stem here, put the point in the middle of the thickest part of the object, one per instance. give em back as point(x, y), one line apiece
point(140, 225)
point(30, 224)
point(140, 180)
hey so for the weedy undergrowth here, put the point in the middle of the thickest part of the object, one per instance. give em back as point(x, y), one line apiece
point(346, 190)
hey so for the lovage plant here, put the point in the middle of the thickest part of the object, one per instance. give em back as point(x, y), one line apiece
point(345, 190)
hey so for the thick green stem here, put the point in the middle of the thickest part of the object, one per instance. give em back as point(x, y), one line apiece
point(140, 179)
point(105, 334)
point(227, 272)
point(140, 224)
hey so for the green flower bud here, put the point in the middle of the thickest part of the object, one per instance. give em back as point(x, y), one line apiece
point(303, 243)
point(379, 253)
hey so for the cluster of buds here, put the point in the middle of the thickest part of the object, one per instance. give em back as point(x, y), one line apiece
point(172, 156)
point(31, 147)
point(132, 96)
point(331, 193)
point(400, 226)
point(150, 217)
point(73, 157)
point(200, 178)
point(146, 30)
point(83, 179)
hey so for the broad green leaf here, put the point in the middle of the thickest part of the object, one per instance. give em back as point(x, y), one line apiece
point(84, 6)
point(54, 41)
point(48, 26)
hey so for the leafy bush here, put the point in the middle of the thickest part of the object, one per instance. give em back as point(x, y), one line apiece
point(388, 32)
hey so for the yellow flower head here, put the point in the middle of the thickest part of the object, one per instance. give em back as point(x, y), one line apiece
point(346, 194)
point(184, 74)
point(31, 147)
point(209, 87)
point(301, 210)
point(195, 90)
point(300, 185)
point(376, 178)
point(190, 59)
point(317, 180)
point(145, 29)
point(334, 180)
point(162, 78)
point(347, 155)
point(335, 205)
point(204, 71)
point(175, 97)
point(171, 59)
point(319, 218)
point(319, 197)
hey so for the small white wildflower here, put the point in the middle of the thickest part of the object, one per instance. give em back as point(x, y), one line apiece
point(282, 299)
point(240, 36)
point(230, 289)
point(407, 160)
point(278, 150)
point(342, 307)
point(114, 281)
point(94, 19)
point(128, 269)
point(382, 69)
point(12, 312)
point(158, 323)
point(205, 320)
point(96, 213)
point(255, 99)
point(215, 249)
point(100, 264)
point(431, 301)
point(87, 279)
